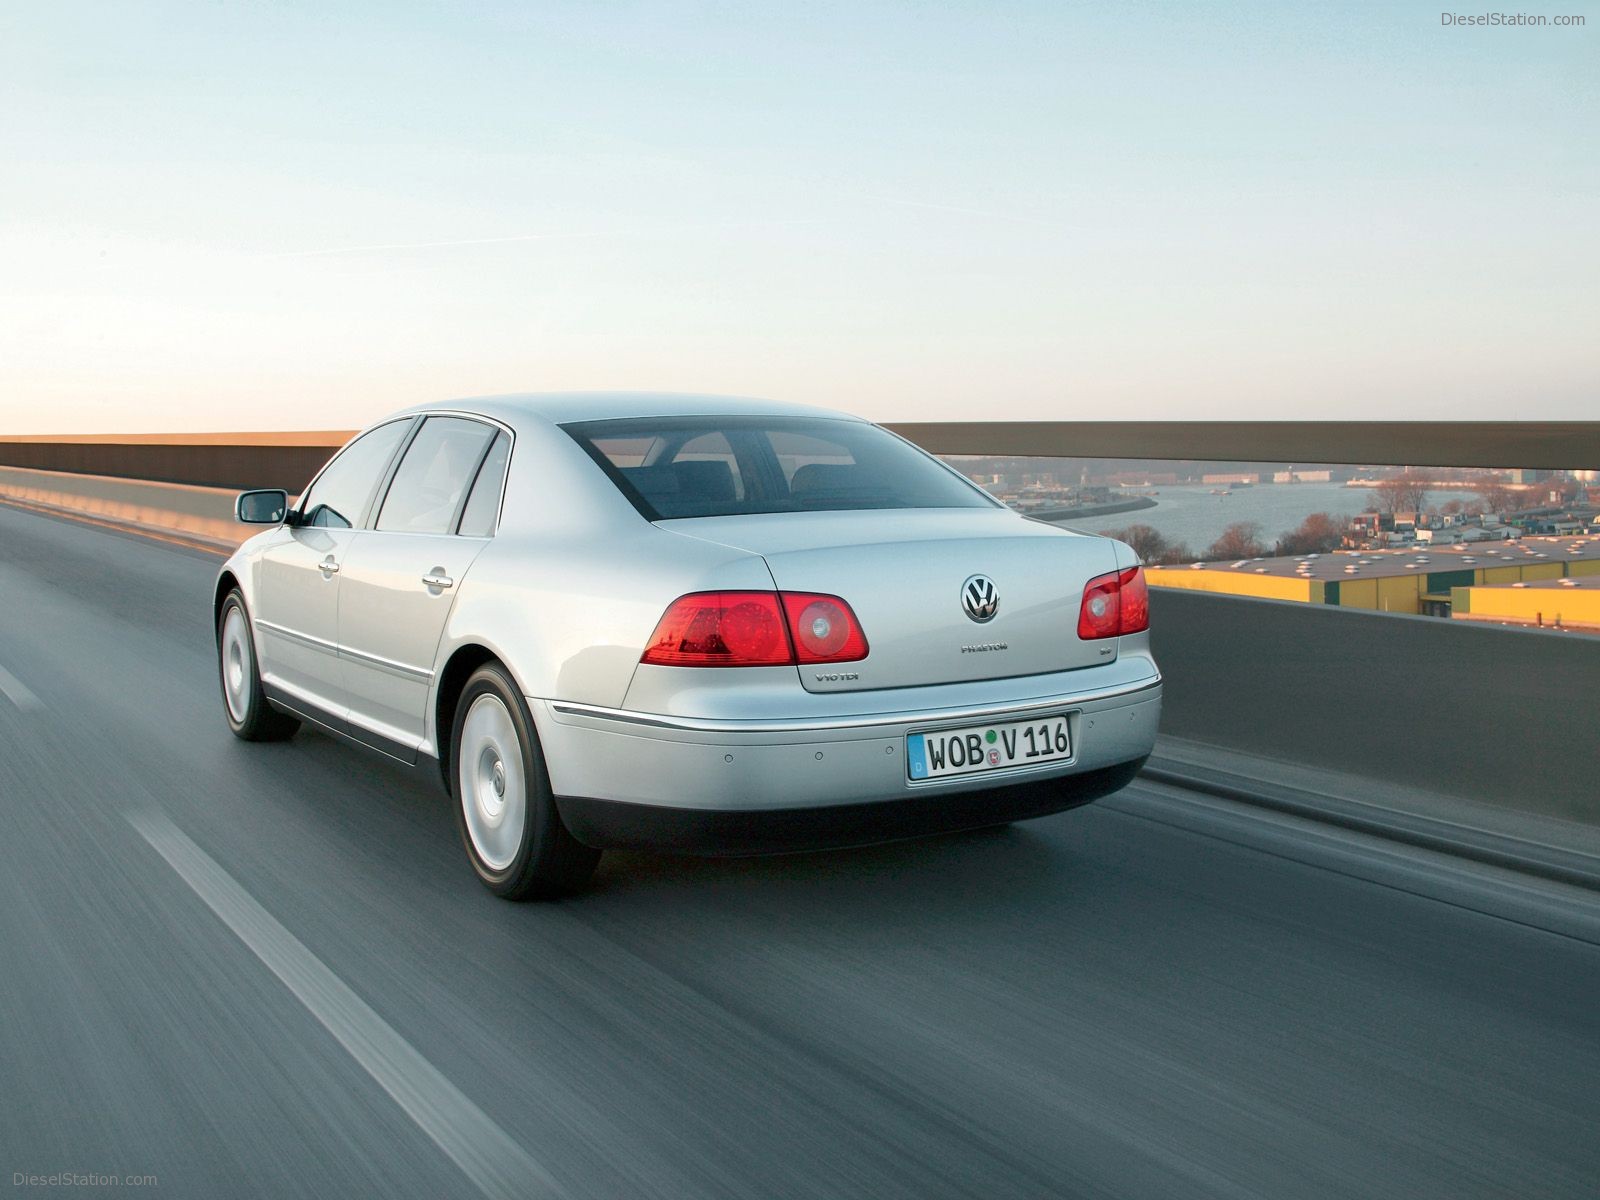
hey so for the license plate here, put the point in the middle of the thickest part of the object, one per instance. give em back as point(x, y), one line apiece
point(987, 747)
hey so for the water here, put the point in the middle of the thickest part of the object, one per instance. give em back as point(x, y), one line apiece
point(1190, 513)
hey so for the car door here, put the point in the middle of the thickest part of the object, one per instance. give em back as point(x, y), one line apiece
point(401, 576)
point(297, 583)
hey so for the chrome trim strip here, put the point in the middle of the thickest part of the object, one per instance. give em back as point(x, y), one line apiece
point(294, 635)
point(423, 674)
point(933, 716)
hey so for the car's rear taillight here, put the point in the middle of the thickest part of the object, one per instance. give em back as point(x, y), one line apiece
point(823, 628)
point(1135, 601)
point(755, 629)
point(1114, 604)
point(721, 629)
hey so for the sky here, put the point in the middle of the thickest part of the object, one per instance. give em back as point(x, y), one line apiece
point(245, 216)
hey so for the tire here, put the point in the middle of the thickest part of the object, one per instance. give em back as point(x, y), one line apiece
point(245, 705)
point(505, 810)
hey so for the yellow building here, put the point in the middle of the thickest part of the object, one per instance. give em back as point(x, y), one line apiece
point(1569, 603)
point(1419, 579)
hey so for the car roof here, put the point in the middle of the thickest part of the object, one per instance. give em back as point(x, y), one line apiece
point(561, 407)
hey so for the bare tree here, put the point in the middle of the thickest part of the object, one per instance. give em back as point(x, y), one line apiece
point(1242, 539)
point(1399, 493)
point(1147, 541)
point(1151, 545)
point(1318, 534)
point(1496, 496)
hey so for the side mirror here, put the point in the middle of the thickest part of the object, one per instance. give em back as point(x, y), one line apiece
point(266, 507)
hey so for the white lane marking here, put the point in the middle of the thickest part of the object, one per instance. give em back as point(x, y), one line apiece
point(17, 692)
point(485, 1153)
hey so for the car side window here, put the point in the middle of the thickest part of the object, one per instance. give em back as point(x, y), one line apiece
point(434, 475)
point(339, 497)
point(482, 512)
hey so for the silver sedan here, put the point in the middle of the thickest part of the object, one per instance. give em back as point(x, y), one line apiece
point(685, 623)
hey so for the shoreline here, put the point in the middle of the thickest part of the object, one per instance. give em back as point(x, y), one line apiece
point(1132, 504)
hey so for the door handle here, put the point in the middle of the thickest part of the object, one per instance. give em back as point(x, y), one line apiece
point(438, 579)
point(328, 566)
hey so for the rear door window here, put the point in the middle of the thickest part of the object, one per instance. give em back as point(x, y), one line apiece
point(432, 480)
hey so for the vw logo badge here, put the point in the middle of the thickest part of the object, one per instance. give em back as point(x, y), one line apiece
point(979, 598)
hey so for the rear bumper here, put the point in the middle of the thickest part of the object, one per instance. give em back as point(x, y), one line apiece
point(619, 825)
point(752, 786)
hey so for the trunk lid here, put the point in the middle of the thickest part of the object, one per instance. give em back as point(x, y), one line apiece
point(906, 574)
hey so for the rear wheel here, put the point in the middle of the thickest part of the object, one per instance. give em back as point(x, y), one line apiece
point(505, 810)
point(243, 702)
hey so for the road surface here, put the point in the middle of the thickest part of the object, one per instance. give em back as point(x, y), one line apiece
point(268, 971)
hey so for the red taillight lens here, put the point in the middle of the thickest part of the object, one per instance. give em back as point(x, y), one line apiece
point(1114, 604)
point(755, 629)
point(1100, 615)
point(823, 628)
point(721, 629)
point(1135, 601)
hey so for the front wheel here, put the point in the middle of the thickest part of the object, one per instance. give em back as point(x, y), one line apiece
point(243, 702)
point(505, 810)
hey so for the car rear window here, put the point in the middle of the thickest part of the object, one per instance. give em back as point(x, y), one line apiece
point(672, 467)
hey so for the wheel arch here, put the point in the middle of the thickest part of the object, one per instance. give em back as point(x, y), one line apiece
point(464, 660)
point(226, 582)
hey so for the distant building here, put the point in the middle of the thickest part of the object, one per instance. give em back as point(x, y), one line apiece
point(1139, 479)
point(1418, 579)
point(1296, 475)
point(1569, 602)
point(1236, 477)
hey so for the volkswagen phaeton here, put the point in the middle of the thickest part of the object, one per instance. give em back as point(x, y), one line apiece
point(685, 623)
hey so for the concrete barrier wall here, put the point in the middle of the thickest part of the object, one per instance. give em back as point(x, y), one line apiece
point(201, 514)
point(1505, 716)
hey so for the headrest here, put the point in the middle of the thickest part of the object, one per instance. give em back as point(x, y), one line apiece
point(705, 479)
point(820, 477)
point(651, 481)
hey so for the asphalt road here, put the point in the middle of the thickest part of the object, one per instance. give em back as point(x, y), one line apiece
point(267, 970)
